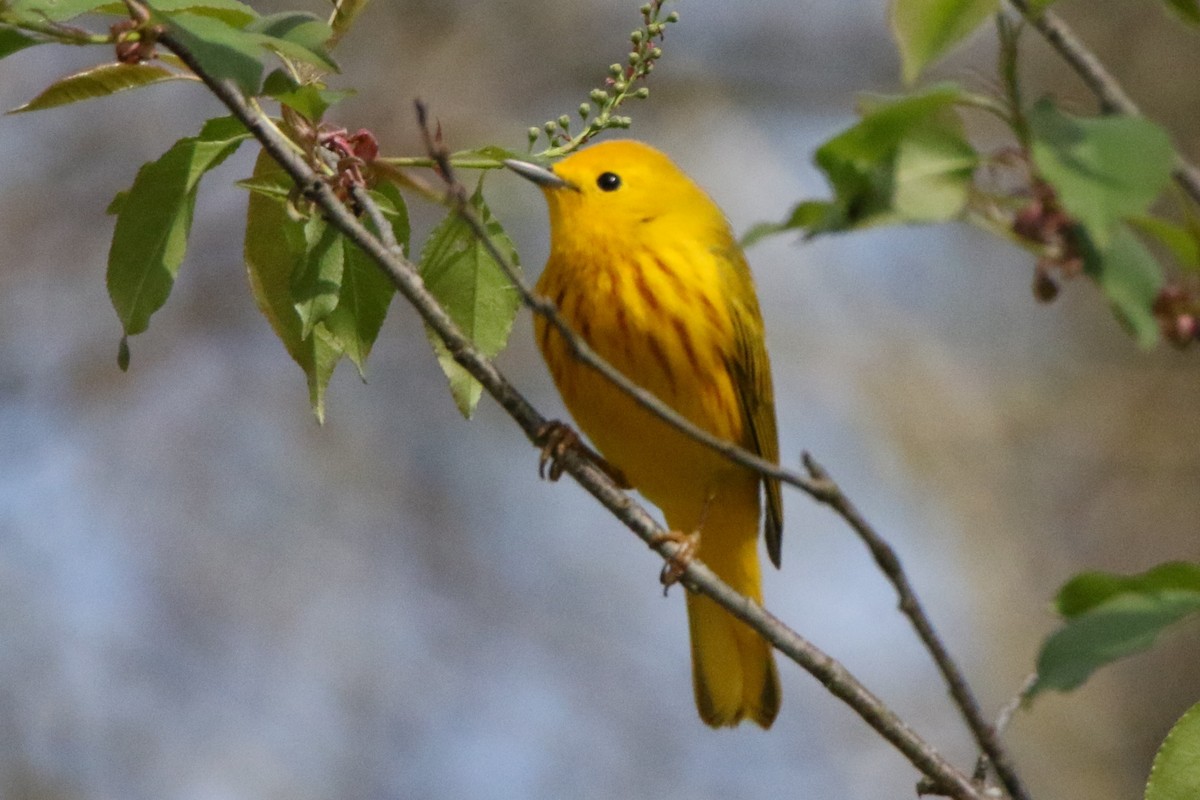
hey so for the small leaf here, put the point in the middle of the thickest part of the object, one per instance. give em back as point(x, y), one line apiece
point(274, 246)
point(155, 218)
point(344, 14)
point(296, 35)
point(1176, 771)
point(225, 52)
point(99, 81)
point(907, 161)
point(1112, 616)
point(309, 100)
point(1088, 590)
point(12, 41)
point(1182, 241)
point(1103, 169)
point(1186, 10)
point(1130, 279)
point(235, 13)
point(54, 10)
point(809, 215)
point(473, 289)
point(925, 30)
point(317, 282)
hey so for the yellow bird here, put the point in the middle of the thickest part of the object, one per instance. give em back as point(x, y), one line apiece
point(643, 266)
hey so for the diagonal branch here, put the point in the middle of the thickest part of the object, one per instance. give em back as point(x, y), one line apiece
point(947, 778)
point(1103, 83)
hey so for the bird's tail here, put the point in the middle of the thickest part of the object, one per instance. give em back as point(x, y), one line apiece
point(733, 669)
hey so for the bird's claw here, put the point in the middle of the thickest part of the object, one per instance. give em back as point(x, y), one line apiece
point(677, 564)
point(555, 439)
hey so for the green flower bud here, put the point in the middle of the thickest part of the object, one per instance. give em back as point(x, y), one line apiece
point(585, 110)
point(634, 58)
point(620, 86)
point(534, 133)
point(564, 122)
point(599, 96)
point(642, 93)
point(645, 10)
point(655, 52)
point(550, 126)
point(673, 16)
point(636, 37)
point(615, 69)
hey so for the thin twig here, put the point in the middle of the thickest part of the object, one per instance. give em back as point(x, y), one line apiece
point(947, 778)
point(1104, 85)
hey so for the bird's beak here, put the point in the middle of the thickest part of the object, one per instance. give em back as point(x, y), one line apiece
point(542, 176)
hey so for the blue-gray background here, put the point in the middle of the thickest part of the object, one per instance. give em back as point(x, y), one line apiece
point(204, 595)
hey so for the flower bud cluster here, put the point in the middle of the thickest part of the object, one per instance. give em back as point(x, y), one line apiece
point(598, 113)
point(1178, 311)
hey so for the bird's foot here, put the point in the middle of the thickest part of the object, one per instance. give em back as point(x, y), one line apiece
point(677, 564)
point(555, 438)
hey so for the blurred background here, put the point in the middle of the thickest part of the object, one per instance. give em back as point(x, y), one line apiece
point(205, 595)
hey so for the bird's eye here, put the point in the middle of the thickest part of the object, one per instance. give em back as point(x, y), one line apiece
point(608, 181)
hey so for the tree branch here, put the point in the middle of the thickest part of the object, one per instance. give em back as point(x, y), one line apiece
point(697, 577)
point(1104, 85)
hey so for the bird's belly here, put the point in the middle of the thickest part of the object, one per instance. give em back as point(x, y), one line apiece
point(672, 470)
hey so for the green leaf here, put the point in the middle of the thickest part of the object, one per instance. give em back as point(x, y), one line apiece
point(12, 40)
point(925, 30)
point(224, 51)
point(345, 12)
point(1130, 279)
point(235, 13)
point(1186, 10)
point(99, 81)
point(54, 10)
point(1112, 616)
point(1038, 6)
point(274, 246)
point(366, 290)
point(310, 100)
point(1089, 590)
point(155, 218)
point(1176, 771)
point(474, 290)
point(807, 215)
point(907, 160)
point(1182, 241)
point(296, 35)
point(1103, 169)
point(317, 283)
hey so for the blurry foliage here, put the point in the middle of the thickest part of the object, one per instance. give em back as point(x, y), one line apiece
point(1086, 203)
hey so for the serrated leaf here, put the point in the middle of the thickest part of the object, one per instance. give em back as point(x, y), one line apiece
point(366, 290)
point(296, 35)
point(99, 81)
point(1175, 774)
point(224, 51)
point(926, 30)
point(1182, 241)
point(1104, 169)
point(12, 41)
point(473, 289)
point(317, 282)
point(1130, 278)
point(54, 10)
point(1186, 10)
point(274, 245)
point(1111, 617)
point(155, 218)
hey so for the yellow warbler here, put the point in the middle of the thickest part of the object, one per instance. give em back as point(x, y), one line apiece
point(644, 268)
